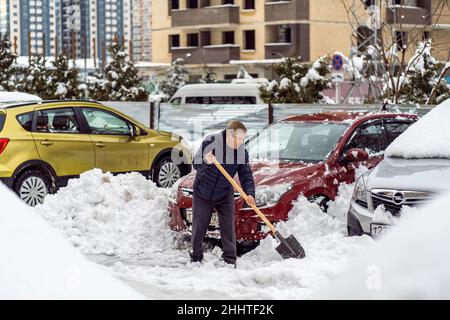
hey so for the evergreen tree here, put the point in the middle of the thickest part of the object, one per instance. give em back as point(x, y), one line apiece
point(297, 83)
point(7, 67)
point(35, 79)
point(422, 75)
point(64, 80)
point(176, 77)
point(119, 80)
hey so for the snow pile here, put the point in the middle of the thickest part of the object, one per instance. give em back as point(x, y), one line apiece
point(122, 221)
point(112, 215)
point(411, 262)
point(427, 138)
point(262, 273)
point(38, 263)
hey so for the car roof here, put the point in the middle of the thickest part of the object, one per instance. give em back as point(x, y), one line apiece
point(345, 116)
point(31, 103)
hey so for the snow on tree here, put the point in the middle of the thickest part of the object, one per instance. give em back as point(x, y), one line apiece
point(7, 67)
point(176, 77)
point(64, 80)
point(298, 83)
point(421, 77)
point(119, 80)
point(35, 79)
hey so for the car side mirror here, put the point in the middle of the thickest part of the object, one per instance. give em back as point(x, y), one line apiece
point(356, 155)
point(135, 132)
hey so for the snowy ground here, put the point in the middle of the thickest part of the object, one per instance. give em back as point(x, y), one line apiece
point(121, 222)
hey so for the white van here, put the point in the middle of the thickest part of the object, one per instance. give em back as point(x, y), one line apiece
point(218, 93)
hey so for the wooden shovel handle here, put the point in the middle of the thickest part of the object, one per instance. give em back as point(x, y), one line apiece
point(244, 196)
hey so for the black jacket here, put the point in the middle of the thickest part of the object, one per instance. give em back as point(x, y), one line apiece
point(210, 184)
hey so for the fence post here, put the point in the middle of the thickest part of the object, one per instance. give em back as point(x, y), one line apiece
point(152, 115)
point(270, 112)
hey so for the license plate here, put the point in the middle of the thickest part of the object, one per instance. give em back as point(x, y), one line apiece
point(378, 229)
point(214, 218)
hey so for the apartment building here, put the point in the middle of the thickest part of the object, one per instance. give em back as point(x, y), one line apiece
point(142, 30)
point(220, 36)
point(28, 25)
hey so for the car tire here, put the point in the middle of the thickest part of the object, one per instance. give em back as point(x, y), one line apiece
point(321, 201)
point(32, 186)
point(166, 172)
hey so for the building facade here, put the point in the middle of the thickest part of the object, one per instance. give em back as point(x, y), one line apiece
point(142, 30)
point(222, 35)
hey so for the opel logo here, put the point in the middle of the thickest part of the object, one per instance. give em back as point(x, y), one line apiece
point(398, 198)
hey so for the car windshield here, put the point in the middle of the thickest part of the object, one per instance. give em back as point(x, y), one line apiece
point(296, 141)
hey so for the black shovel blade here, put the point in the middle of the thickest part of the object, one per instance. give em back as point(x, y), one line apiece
point(289, 247)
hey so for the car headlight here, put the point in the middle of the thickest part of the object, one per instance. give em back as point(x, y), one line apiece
point(269, 196)
point(360, 192)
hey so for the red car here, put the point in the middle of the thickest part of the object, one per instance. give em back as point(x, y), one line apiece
point(304, 154)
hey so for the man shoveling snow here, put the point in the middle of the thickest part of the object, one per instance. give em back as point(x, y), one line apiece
point(213, 191)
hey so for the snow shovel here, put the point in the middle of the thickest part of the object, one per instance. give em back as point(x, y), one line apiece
point(289, 247)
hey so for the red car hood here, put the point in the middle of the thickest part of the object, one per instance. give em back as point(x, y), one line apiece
point(270, 173)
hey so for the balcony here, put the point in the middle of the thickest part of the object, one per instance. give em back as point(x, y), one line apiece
point(221, 54)
point(408, 15)
point(286, 10)
point(293, 45)
point(217, 15)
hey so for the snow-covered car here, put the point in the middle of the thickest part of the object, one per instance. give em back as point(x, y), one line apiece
point(416, 170)
point(304, 154)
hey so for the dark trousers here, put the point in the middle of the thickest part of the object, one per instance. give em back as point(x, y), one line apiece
point(202, 211)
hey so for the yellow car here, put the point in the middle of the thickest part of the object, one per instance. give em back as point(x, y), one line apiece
point(44, 144)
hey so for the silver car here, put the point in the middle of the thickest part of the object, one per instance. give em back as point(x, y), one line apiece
point(394, 183)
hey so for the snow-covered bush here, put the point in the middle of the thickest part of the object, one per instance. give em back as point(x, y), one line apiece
point(298, 83)
point(34, 78)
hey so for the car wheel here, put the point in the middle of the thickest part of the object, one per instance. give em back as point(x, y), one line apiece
point(166, 173)
point(321, 201)
point(32, 187)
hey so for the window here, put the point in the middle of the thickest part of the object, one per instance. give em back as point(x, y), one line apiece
point(369, 137)
point(176, 101)
point(394, 129)
point(174, 41)
point(57, 121)
point(2, 121)
point(26, 120)
point(228, 37)
point(227, 1)
point(192, 39)
point(249, 4)
point(284, 34)
point(233, 100)
point(401, 39)
point(249, 40)
point(197, 100)
point(103, 122)
point(173, 5)
point(192, 4)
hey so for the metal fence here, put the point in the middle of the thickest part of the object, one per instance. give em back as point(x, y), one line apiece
point(193, 121)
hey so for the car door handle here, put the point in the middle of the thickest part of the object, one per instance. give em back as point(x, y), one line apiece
point(46, 143)
point(100, 145)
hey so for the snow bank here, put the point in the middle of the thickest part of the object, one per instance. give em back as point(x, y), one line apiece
point(411, 262)
point(112, 215)
point(10, 97)
point(427, 138)
point(38, 263)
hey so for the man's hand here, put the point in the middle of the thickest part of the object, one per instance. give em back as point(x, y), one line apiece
point(209, 158)
point(251, 201)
